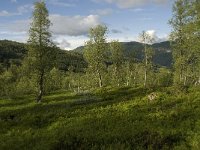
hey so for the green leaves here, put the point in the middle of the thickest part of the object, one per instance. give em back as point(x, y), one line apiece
point(185, 34)
point(95, 51)
point(42, 52)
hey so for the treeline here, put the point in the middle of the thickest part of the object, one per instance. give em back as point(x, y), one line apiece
point(46, 68)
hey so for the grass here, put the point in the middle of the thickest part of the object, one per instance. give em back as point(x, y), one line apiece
point(103, 119)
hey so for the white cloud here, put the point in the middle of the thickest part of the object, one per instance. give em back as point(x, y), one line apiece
point(157, 38)
point(62, 25)
point(64, 44)
point(73, 25)
point(69, 32)
point(151, 33)
point(131, 3)
point(70, 42)
point(14, 36)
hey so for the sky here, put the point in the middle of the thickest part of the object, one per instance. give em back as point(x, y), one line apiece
point(72, 19)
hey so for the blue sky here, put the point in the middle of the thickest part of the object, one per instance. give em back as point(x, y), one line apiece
point(72, 19)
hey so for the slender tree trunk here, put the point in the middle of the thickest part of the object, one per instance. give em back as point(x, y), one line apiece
point(135, 75)
point(116, 76)
point(180, 77)
point(185, 80)
point(100, 79)
point(78, 86)
point(146, 63)
point(41, 75)
point(134, 80)
point(145, 71)
point(41, 87)
point(181, 74)
point(127, 82)
point(145, 77)
point(128, 76)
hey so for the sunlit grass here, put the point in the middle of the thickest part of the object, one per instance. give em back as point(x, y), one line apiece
point(104, 119)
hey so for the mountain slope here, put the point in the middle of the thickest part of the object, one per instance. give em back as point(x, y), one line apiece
point(162, 57)
point(12, 52)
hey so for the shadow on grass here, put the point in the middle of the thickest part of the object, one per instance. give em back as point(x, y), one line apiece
point(140, 126)
point(66, 101)
point(63, 104)
point(17, 101)
point(54, 106)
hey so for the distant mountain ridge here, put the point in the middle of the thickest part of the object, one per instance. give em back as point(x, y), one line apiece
point(136, 45)
point(162, 57)
point(12, 52)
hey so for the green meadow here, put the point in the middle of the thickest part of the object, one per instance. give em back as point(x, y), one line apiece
point(120, 118)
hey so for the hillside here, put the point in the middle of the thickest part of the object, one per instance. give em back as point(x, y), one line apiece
point(103, 119)
point(12, 52)
point(162, 57)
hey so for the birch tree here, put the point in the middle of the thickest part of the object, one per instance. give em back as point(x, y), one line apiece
point(95, 51)
point(185, 36)
point(41, 52)
point(146, 39)
point(117, 58)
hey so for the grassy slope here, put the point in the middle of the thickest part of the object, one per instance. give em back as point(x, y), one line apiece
point(109, 119)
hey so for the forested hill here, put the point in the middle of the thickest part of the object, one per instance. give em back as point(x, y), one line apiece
point(162, 57)
point(12, 52)
point(162, 46)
